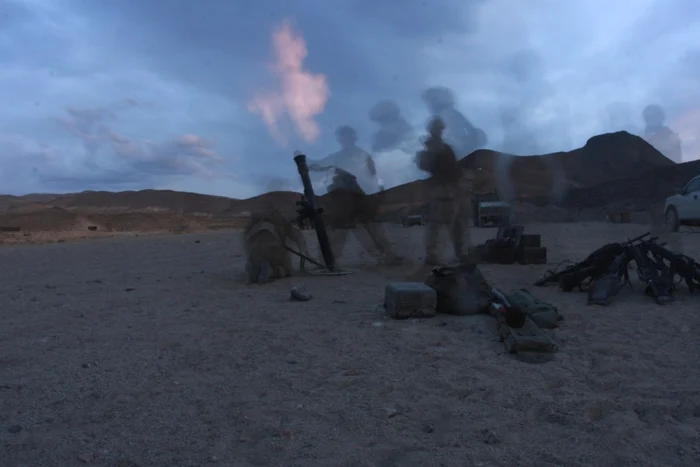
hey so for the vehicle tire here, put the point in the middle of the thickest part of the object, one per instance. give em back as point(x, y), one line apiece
point(672, 219)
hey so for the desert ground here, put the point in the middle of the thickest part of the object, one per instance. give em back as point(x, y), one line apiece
point(153, 351)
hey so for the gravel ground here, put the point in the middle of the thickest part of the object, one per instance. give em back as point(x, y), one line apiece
point(152, 351)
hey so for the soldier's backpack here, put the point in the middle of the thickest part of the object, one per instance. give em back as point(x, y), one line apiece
point(461, 289)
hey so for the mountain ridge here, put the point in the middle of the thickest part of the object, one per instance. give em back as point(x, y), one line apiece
point(562, 178)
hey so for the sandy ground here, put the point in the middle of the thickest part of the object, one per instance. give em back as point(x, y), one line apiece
point(151, 351)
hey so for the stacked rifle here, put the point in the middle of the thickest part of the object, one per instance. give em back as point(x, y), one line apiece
point(606, 271)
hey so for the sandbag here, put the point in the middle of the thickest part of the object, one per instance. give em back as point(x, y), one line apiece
point(461, 290)
point(543, 314)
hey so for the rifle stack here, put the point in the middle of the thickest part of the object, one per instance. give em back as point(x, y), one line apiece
point(606, 271)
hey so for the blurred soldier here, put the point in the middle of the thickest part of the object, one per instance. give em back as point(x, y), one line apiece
point(449, 187)
point(353, 159)
point(354, 176)
point(656, 133)
point(461, 134)
point(393, 132)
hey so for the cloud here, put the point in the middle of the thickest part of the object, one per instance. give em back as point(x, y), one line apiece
point(303, 94)
point(108, 157)
point(152, 72)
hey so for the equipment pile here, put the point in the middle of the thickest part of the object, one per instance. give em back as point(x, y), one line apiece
point(462, 290)
point(606, 271)
point(511, 245)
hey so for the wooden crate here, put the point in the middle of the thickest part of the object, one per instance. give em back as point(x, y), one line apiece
point(533, 255)
point(531, 240)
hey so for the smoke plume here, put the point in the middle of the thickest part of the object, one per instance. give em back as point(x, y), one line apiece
point(302, 94)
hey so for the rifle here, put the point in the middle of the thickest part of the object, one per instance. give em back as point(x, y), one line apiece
point(593, 266)
point(310, 210)
point(611, 282)
point(658, 286)
point(684, 266)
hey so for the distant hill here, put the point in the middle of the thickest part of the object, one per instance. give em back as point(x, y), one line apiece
point(636, 191)
point(609, 167)
point(604, 158)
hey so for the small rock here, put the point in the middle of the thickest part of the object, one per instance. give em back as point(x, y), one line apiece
point(129, 289)
point(197, 241)
point(428, 428)
point(85, 365)
point(14, 429)
point(289, 434)
point(377, 324)
point(489, 437)
point(385, 412)
point(300, 293)
point(86, 457)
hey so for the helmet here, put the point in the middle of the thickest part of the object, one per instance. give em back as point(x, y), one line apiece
point(346, 135)
point(384, 111)
point(436, 125)
point(438, 98)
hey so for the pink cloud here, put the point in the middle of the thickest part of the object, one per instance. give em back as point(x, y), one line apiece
point(183, 154)
point(302, 95)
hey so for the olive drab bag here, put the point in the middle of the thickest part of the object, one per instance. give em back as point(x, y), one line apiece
point(461, 289)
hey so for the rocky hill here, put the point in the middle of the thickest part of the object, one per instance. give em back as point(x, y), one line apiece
point(549, 178)
point(634, 192)
point(615, 168)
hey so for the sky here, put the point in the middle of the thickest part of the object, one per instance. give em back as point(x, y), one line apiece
point(214, 97)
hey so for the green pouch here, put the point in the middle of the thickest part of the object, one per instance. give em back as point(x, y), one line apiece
point(544, 314)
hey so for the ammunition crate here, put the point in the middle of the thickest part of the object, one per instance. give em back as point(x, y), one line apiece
point(620, 217)
point(533, 255)
point(531, 241)
point(410, 300)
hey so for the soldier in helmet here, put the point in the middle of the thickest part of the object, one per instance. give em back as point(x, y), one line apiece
point(448, 185)
point(462, 135)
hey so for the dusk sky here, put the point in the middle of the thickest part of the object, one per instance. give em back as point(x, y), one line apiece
point(215, 96)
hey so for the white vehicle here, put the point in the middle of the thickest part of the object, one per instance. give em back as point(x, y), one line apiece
point(684, 208)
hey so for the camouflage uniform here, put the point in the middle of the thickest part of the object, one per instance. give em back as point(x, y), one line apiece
point(448, 187)
point(349, 206)
point(267, 257)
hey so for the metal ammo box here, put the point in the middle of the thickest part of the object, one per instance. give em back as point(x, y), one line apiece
point(410, 300)
point(489, 209)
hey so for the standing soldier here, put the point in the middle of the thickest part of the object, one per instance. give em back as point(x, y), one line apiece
point(355, 178)
point(462, 135)
point(449, 186)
